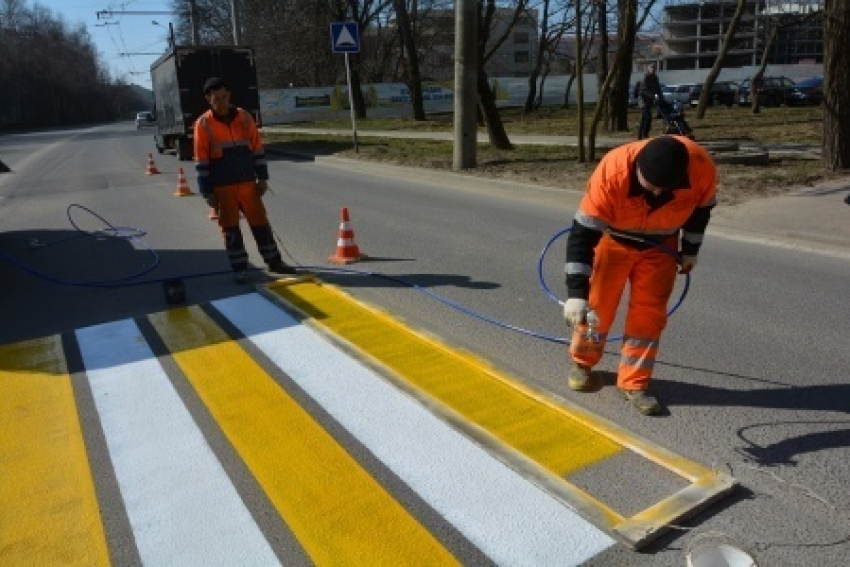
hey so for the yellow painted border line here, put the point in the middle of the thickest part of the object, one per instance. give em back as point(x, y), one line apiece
point(49, 514)
point(706, 485)
point(319, 490)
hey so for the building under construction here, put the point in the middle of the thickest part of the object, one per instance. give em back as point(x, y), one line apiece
point(694, 31)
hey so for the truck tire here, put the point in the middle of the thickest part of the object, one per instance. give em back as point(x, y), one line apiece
point(185, 151)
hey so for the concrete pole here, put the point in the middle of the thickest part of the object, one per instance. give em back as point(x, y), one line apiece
point(237, 27)
point(466, 84)
point(193, 23)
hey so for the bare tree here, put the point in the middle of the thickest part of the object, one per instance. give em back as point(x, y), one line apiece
point(413, 77)
point(550, 36)
point(836, 87)
point(705, 95)
point(487, 46)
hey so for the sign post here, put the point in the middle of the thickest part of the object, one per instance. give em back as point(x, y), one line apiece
point(345, 38)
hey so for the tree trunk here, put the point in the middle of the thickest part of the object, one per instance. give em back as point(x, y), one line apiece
point(580, 86)
point(487, 100)
point(600, 7)
point(627, 30)
point(705, 95)
point(356, 87)
point(836, 86)
point(771, 38)
point(413, 78)
point(538, 62)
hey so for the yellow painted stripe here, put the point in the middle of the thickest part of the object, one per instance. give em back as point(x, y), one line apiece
point(459, 380)
point(339, 513)
point(48, 507)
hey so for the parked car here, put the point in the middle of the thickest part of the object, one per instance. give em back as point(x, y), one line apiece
point(677, 93)
point(722, 92)
point(809, 91)
point(144, 119)
point(770, 90)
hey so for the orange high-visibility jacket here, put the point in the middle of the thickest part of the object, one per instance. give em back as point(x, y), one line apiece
point(228, 150)
point(616, 202)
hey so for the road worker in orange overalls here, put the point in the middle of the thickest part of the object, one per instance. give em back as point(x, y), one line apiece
point(233, 177)
point(642, 194)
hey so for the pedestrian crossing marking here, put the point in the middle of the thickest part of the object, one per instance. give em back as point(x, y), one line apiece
point(48, 507)
point(339, 513)
point(546, 435)
point(523, 419)
point(181, 506)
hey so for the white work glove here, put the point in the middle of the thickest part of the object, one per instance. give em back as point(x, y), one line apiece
point(262, 186)
point(575, 310)
point(688, 264)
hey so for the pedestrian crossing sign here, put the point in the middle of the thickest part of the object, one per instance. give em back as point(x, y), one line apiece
point(345, 38)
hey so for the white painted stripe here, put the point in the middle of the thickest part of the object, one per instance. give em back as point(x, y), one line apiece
point(182, 507)
point(511, 520)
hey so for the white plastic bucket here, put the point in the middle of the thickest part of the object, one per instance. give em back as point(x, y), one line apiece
point(715, 550)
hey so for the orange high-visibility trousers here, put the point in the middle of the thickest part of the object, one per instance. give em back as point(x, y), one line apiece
point(240, 197)
point(651, 275)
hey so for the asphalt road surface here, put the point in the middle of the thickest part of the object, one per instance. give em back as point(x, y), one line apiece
point(753, 366)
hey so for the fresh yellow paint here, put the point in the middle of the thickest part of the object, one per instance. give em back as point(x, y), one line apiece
point(48, 507)
point(339, 513)
point(467, 385)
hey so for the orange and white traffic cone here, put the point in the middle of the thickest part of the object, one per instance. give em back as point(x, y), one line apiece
point(213, 213)
point(346, 249)
point(151, 169)
point(182, 185)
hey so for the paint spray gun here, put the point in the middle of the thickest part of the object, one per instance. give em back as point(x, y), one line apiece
point(591, 321)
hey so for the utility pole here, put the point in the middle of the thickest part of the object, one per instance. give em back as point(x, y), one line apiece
point(237, 27)
point(466, 84)
point(193, 23)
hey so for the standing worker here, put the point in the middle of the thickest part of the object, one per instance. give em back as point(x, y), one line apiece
point(233, 176)
point(642, 195)
point(650, 90)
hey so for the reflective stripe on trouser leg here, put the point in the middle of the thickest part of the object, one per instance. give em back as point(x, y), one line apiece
point(612, 263)
point(651, 284)
point(264, 237)
point(235, 247)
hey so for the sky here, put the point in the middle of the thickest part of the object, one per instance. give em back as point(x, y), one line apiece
point(127, 43)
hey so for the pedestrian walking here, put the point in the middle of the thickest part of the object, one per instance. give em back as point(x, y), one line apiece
point(233, 176)
point(650, 94)
point(642, 196)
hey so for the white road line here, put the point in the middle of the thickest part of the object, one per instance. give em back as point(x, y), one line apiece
point(511, 520)
point(182, 507)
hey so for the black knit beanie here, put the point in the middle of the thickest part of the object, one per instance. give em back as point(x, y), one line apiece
point(663, 161)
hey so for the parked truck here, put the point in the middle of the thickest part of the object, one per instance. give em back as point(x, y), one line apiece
point(178, 80)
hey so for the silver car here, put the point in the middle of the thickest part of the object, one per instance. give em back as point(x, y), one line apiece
point(144, 119)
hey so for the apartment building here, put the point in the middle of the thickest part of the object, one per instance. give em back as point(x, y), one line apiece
point(694, 31)
point(515, 57)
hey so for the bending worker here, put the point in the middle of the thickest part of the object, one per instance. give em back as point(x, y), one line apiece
point(233, 176)
point(657, 191)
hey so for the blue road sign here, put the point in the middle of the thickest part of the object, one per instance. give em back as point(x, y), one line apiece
point(345, 37)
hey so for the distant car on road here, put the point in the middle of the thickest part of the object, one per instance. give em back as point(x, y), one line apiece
point(808, 91)
point(144, 119)
point(722, 92)
point(770, 91)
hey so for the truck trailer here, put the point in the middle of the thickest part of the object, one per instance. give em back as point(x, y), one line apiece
point(178, 81)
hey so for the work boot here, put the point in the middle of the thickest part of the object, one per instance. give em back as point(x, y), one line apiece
point(579, 379)
point(643, 401)
point(278, 266)
point(240, 277)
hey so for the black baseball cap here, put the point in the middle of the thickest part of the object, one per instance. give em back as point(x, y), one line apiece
point(214, 83)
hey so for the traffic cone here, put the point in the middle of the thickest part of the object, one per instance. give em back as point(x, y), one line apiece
point(182, 185)
point(346, 249)
point(151, 170)
point(213, 213)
